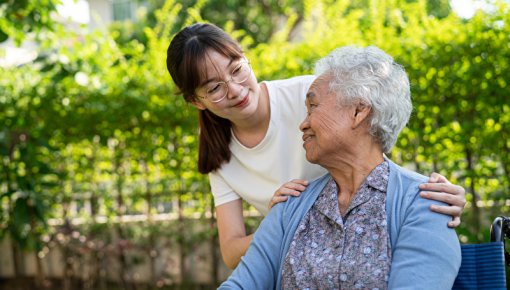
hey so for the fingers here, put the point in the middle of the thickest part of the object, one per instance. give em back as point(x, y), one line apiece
point(276, 199)
point(437, 178)
point(454, 223)
point(453, 211)
point(440, 189)
point(301, 182)
point(291, 188)
point(449, 188)
point(456, 202)
point(451, 199)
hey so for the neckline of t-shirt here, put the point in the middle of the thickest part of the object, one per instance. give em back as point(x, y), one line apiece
point(270, 130)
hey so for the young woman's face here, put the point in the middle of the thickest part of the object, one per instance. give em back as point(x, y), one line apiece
point(229, 89)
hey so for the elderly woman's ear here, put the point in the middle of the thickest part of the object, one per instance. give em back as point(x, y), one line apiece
point(361, 113)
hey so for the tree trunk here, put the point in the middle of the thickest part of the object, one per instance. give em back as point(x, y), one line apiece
point(181, 238)
point(121, 241)
point(506, 164)
point(16, 253)
point(150, 219)
point(475, 222)
point(39, 276)
point(67, 253)
point(19, 265)
point(94, 269)
point(214, 244)
point(434, 165)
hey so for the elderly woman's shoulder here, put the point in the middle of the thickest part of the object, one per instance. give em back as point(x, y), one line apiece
point(404, 191)
point(406, 174)
point(307, 197)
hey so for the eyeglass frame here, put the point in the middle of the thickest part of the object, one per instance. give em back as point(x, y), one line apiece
point(244, 60)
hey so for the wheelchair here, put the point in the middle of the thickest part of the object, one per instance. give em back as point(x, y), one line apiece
point(484, 265)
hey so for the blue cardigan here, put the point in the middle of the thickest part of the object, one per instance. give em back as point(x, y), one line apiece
point(425, 252)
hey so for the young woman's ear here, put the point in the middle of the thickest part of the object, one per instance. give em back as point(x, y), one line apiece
point(197, 104)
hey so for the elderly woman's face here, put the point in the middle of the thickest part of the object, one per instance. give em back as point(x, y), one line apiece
point(327, 124)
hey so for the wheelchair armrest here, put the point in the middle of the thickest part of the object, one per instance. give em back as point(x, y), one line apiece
point(500, 230)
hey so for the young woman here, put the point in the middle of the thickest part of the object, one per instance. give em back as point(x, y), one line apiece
point(249, 141)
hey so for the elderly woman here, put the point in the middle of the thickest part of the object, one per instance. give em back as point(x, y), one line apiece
point(362, 225)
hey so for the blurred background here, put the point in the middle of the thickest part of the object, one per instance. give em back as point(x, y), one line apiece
point(98, 181)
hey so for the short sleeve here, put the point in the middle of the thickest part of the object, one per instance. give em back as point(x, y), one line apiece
point(221, 191)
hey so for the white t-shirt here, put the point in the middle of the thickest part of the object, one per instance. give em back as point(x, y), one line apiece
point(254, 174)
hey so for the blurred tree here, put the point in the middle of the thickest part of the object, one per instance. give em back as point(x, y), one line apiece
point(94, 127)
point(259, 20)
point(19, 17)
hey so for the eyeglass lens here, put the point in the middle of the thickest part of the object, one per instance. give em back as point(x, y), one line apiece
point(216, 92)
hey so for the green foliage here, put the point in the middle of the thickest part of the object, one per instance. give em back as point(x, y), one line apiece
point(19, 17)
point(94, 128)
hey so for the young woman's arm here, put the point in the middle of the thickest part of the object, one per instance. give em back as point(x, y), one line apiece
point(260, 266)
point(233, 239)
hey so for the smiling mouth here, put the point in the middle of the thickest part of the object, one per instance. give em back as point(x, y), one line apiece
point(243, 102)
point(306, 139)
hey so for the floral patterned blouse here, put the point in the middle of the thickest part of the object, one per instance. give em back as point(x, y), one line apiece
point(330, 251)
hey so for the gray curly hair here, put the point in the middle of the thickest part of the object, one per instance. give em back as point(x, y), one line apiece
point(371, 76)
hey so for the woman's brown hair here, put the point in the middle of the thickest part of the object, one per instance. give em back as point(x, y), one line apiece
point(186, 61)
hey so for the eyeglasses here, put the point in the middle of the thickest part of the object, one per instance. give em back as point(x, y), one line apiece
point(216, 92)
